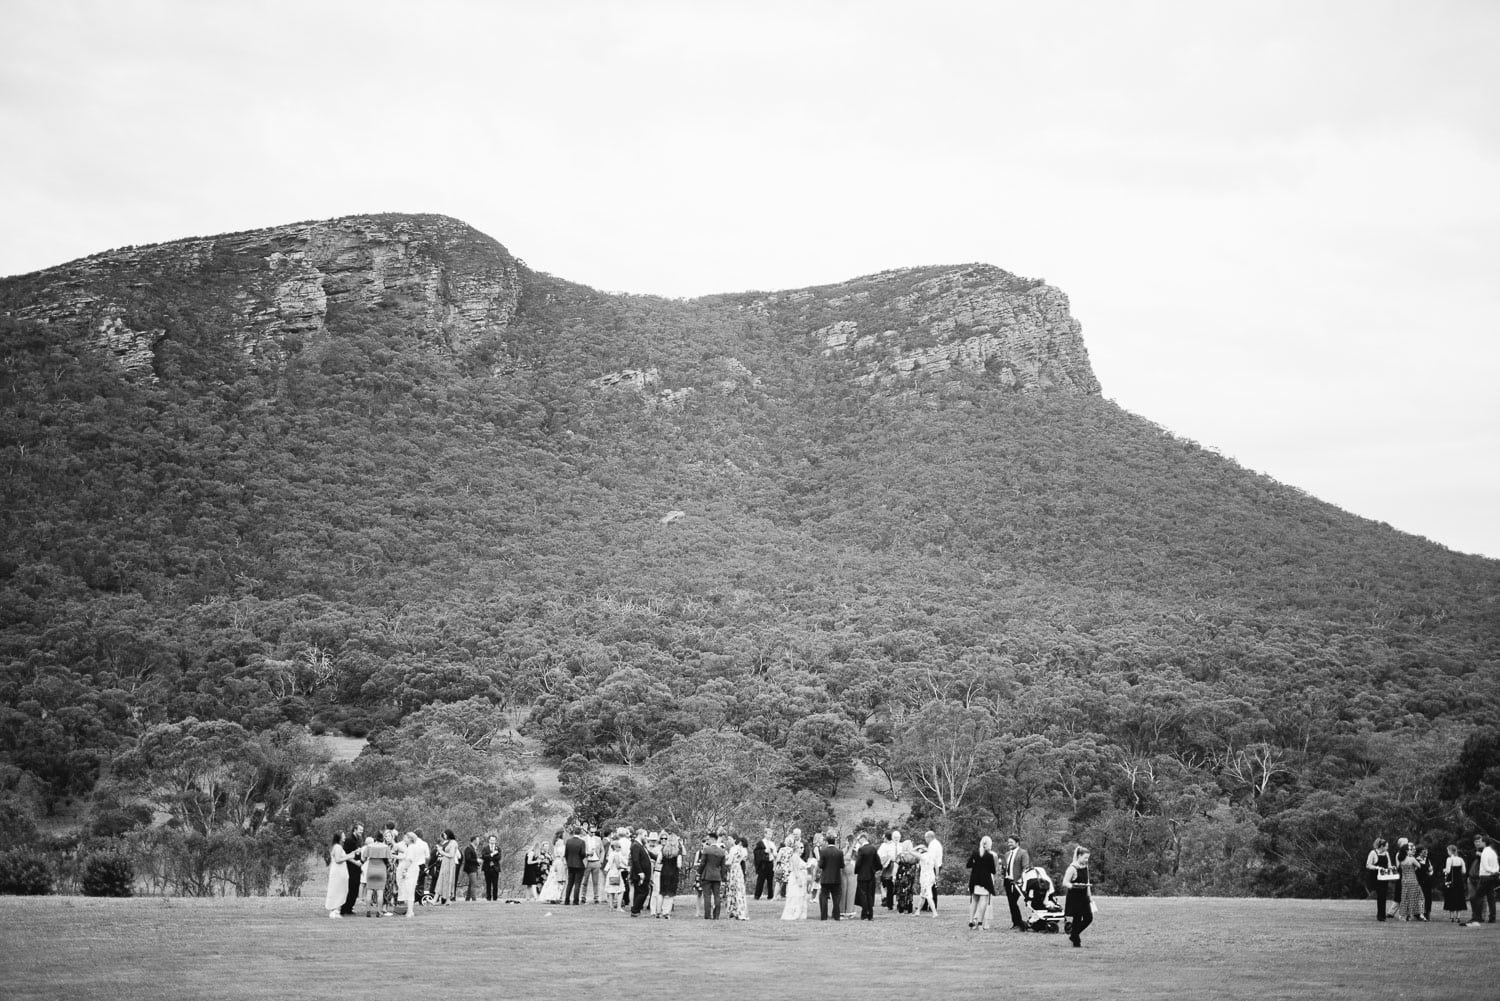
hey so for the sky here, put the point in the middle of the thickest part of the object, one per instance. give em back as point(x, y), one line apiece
point(1278, 222)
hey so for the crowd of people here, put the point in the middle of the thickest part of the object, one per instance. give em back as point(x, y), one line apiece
point(643, 872)
point(1408, 878)
point(393, 870)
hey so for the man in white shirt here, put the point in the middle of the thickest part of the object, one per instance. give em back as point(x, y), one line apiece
point(935, 852)
point(1487, 869)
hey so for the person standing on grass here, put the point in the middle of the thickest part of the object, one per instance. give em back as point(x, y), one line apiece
point(468, 866)
point(1487, 875)
point(489, 862)
point(447, 881)
point(830, 875)
point(765, 865)
point(1078, 905)
point(1377, 864)
point(712, 862)
point(1455, 886)
point(934, 857)
point(1017, 861)
point(377, 868)
point(640, 873)
point(414, 854)
point(593, 864)
point(574, 850)
point(866, 876)
point(889, 849)
point(796, 882)
point(338, 876)
point(736, 901)
point(982, 865)
point(927, 860)
point(353, 842)
point(1424, 883)
point(670, 874)
point(1410, 905)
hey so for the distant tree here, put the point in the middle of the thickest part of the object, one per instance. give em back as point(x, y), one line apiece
point(938, 752)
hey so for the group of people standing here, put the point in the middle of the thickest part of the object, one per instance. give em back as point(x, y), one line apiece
point(361, 868)
point(643, 871)
point(1407, 878)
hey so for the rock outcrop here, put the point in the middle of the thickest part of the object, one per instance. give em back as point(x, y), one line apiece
point(273, 287)
point(898, 326)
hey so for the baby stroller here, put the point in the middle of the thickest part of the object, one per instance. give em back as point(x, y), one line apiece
point(1040, 908)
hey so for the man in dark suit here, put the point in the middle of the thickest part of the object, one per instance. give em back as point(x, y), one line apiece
point(640, 873)
point(866, 876)
point(765, 866)
point(353, 841)
point(1017, 861)
point(573, 851)
point(830, 874)
point(711, 862)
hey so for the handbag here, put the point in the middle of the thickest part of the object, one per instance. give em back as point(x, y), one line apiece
point(1387, 875)
point(1093, 907)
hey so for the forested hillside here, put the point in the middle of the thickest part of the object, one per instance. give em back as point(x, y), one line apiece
point(755, 538)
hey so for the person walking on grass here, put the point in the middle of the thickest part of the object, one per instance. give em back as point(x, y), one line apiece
point(1078, 905)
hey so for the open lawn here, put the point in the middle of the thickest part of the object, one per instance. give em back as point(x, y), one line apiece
point(278, 948)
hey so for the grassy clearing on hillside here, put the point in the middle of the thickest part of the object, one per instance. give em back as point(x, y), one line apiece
point(269, 948)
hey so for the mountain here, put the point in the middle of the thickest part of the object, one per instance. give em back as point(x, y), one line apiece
point(331, 473)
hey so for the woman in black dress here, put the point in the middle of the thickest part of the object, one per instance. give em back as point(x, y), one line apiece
point(1378, 864)
point(671, 873)
point(1455, 886)
point(1078, 906)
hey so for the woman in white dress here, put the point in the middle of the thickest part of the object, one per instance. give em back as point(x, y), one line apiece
point(414, 852)
point(338, 876)
point(796, 885)
point(557, 875)
point(927, 877)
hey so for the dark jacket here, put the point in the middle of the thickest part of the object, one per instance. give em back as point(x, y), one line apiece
point(471, 859)
point(982, 871)
point(867, 863)
point(490, 859)
point(640, 863)
point(573, 850)
point(711, 864)
point(830, 865)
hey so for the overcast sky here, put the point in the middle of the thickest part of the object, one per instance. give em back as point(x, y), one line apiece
point(1279, 223)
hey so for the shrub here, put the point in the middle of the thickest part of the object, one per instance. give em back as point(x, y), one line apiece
point(26, 872)
point(108, 874)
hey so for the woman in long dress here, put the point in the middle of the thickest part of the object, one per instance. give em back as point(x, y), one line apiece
point(448, 868)
point(338, 876)
point(927, 878)
point(1410, 907)
point(735, 901)
point(557, 874)
point(1455, 883)
point(796, 885)
point(409, 870)
point(906, 877)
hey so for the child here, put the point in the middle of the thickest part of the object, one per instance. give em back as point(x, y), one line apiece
point(614, 880)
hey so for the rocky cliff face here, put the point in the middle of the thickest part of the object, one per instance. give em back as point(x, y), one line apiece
point(273, 290)
point(899, 326)
point(276, 287)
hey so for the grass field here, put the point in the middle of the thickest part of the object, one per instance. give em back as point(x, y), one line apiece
point(275, 948)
